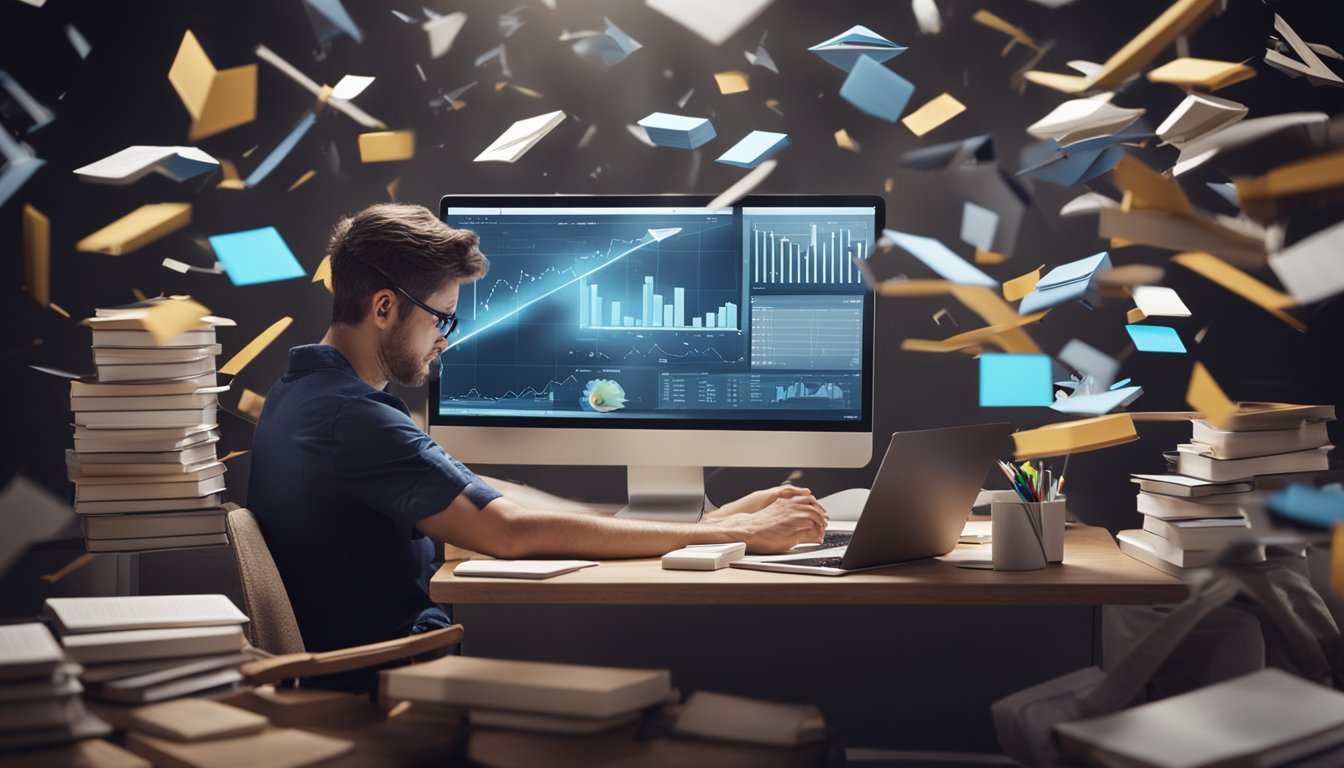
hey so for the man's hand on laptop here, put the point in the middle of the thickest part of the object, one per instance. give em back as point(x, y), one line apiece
point(776, 519)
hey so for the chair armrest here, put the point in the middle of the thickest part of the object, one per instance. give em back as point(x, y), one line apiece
point(292, 665)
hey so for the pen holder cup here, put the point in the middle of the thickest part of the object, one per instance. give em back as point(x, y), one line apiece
point(1026, 535)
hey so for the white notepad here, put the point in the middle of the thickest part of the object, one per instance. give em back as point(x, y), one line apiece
point(519, 569)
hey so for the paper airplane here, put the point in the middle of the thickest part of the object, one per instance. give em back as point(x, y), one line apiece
point(1080, 119)
point(876, 90)
point(216, 99)
point(1204, 74)
point(1065, 283)
point(662, 234)
point(677, 131)
point(330, 20)
point(137, 229)
point(134, 163)
point(1309, 66)
point(605, 49)
point(713, 20)
point(761, 57)
point(255, 256)
point(1197, 116)
point(520, 137)
point(442, 32)
point(1070, 166)
point(859, 42)
point(940, 259)
point(754, 148)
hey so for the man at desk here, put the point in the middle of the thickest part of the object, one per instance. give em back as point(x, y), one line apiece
point(352, 495)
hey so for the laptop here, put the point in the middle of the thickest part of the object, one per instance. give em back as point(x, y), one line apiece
point(917, 507)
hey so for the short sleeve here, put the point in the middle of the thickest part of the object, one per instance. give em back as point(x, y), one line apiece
point(386, 462)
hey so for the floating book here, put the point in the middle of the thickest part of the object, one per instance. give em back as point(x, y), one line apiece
point(677, 131)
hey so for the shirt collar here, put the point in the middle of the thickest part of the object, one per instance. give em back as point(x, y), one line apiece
point(312, 357)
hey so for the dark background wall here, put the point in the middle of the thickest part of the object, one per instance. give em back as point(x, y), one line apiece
point(120, 96)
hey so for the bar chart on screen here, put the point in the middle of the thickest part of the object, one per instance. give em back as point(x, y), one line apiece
point(792, 251)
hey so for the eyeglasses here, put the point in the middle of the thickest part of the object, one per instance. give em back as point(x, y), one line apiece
point(446, 322)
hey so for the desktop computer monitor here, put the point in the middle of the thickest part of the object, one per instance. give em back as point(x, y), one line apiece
point(654, 333)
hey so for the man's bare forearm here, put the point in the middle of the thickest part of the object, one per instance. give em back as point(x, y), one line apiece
point(544, 533)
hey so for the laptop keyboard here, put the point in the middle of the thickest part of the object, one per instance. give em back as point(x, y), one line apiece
point(836, 539)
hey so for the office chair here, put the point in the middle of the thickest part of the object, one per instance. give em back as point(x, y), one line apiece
point(273, 629)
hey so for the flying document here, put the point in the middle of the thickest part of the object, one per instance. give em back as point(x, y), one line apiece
point(876, 90)
point(940, 259)
point(1065, 283)
point(520, 137)
point(859, 42)
point(1080, 119)
point(754, 148)
point(134, 163)
point(677, 131)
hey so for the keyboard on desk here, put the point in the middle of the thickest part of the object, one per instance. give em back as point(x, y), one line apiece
point(836, 539)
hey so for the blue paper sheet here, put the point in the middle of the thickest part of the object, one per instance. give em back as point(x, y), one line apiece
point(877, 90)
point(941, 259)
point(1155, 338)
point(752, 150)
point(1065, 283)
point(1015, 380)
point(256, 256)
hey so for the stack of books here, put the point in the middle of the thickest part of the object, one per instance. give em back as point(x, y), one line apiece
point(1193, 516)
point(531, 695)
point(39, 692)
point(196, 732)
point(150, 648)
point(144, 464)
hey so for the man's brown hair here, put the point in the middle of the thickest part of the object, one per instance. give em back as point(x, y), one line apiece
point(397, 243)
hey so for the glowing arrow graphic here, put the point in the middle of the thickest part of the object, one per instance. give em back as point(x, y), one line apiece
point(650, 238)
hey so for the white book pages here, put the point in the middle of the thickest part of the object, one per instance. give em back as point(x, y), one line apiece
point(104, 614)
point(28, 650)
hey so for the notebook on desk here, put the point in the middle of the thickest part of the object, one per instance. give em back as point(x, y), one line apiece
point(917, 507)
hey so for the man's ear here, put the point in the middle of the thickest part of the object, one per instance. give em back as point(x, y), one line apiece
point(382, 307)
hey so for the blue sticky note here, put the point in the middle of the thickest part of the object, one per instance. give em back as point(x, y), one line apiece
point(256, 256)
point(877, 90)
point(1014, 380)
point(752, 150)
point(1310, 505)
point(1155, 338)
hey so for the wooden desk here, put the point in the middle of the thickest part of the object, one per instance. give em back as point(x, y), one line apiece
point(1094, 572)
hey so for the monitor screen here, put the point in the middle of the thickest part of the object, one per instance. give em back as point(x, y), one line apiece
point(659, 312)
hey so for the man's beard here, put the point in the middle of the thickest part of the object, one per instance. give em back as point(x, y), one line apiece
point(400, 362)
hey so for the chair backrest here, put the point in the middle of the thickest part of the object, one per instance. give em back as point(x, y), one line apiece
point(273, 627)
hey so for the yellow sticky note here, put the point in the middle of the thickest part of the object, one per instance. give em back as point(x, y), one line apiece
point(1242, 284)
point(732, 81)
point(989, 257)
point(1204, 74)
point(1018, 287)
point(386, 146)
point(216, 99)
point(250, 403)
point(137, 229)
point(323, 273)
point(254, 347)
point(843, 141)
point(1205, 396)
point(937, 111)
point(37, 255)
point(1075, 436)
point(167, 320)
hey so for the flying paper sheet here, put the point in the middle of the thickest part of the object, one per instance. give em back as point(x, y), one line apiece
point(1065, 283)
point(254, 347)
point(1080, 119)
point(1310, 66)
point(330, 20)
point(216, 99)
point(281, 150)
point(940, 259)
point(978, 225)
point(1160, 301)
point(1155, 338)
point(442, 31)
point(1015, 289)
point(1312, 269)
point(876, 90)
point(1087, 203)
point(606, 49)
point(733, 81)
point(1150, 190)
point(1014, 380)
point(386, 146)
point(754, 148)
point(351, 86)
point(520, 137)
point(713, 20)
point(1293, 131)
point(928, 18)
point(134, 163)
point(858, 42)
point(1205, 396)
point(255, 256)
point(1282, 189)
point(843, 141)
point(933, 114)
point(760, 58)
point(1074, 164)
point(677, 131)
point(1197, 116)
point(1075, 436)
point(29, 514)
point(137, 229)
point(166, 319)
point(1203, 74)
point(17, 103)
point(37, 255)
point(319, 92)
point(1242, 284)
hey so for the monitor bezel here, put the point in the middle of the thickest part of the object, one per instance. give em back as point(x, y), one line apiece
point(863, 424)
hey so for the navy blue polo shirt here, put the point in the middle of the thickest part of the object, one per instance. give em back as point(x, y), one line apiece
point(340, 475)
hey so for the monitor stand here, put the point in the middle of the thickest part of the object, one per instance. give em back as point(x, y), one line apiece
point(666, 494)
